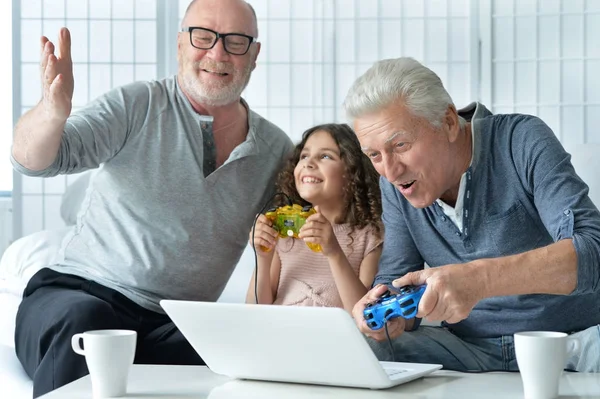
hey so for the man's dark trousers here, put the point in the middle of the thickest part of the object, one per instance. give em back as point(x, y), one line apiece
point(56, 306)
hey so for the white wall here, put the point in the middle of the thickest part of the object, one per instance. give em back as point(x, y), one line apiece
point(543, 59)
point(5, 223)
point(6, 109)
point(6, 117)
point(314, 49)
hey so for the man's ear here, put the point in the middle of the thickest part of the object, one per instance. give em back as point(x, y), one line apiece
point(256, 55)
point(451, 123)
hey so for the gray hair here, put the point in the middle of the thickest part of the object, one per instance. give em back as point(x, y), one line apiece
point(396, 79)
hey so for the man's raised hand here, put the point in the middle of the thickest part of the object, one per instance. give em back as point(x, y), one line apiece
point(57, 76)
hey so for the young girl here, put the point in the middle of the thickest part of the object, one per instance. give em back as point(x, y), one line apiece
point(328, 171)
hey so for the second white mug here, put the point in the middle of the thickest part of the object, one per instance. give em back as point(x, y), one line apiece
point(541, 356)
point(109, 355)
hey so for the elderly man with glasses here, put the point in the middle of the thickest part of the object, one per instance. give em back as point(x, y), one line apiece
point(184, 166)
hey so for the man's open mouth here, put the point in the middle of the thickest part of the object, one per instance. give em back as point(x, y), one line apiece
point(216, 73)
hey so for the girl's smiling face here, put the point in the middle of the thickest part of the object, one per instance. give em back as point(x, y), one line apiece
point(319, 174)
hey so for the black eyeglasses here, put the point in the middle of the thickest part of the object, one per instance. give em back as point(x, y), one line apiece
point(205, 39)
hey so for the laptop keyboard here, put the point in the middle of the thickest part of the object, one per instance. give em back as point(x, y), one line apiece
point(394, 372)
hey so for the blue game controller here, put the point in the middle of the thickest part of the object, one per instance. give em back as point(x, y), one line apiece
point(389, 306)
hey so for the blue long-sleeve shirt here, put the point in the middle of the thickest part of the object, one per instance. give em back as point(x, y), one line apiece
point(521, 193)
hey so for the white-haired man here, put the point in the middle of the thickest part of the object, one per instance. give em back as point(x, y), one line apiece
point(493, 205)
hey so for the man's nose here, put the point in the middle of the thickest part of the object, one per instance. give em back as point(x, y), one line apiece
point(218, 52)
point(392, 168)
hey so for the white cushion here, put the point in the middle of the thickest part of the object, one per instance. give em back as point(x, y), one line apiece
point(26, 256)
point(9, 304)
point(237, 286)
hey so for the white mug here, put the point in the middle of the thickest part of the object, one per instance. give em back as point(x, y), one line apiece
point(109, 355)
point(541, 356)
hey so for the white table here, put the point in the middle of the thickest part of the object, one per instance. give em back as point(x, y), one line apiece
point(172, 382)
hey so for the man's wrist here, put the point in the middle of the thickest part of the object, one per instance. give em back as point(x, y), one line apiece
point(52, 118)
point(484, 272)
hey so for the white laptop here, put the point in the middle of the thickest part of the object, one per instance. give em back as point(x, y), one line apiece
point(312, 345)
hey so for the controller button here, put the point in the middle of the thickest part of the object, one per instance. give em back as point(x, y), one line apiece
point(369, 316)
point(407, 303)
point(406, 312)
point(290, 233)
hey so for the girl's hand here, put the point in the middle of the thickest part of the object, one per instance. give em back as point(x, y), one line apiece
point(265, 237)
point(318, 230)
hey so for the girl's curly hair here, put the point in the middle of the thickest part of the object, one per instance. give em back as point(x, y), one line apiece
point(361, 192)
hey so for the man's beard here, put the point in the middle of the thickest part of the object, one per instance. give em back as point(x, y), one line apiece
point(219, 94)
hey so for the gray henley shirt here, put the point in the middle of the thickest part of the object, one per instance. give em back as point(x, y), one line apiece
point(152, 226)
